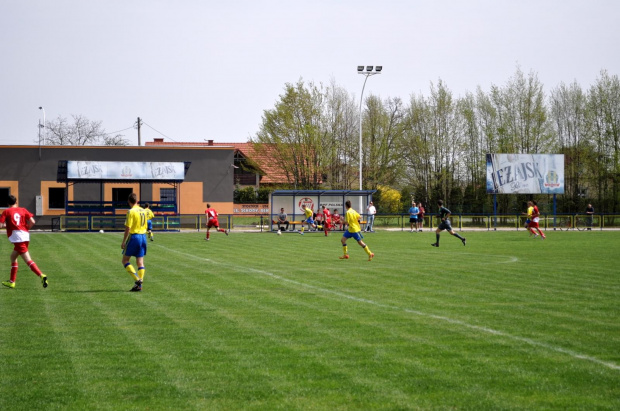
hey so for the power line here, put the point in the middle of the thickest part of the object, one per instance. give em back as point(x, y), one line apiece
point(119, 131)
point(151, 127)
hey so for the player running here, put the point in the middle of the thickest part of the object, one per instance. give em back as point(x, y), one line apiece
point(534, 220)
point(18, 221)
point(353, 231)
point(308, 213)
point(327, 217)
point(149, 223)
point(528, 216)
point(134, 241)
point(444, 216)
point(212, 222)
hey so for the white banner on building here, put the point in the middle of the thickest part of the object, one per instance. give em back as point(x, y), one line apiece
point(125, 170)
point(525, 173)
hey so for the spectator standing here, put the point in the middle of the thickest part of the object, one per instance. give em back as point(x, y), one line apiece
point(420, 217)
point(18, 221)
point(590, 216)
point(414, 211)
point(371, 211)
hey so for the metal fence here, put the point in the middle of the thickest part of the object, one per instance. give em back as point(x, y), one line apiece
point(262, 222)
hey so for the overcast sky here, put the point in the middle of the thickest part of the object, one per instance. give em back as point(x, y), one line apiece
point(198, 69)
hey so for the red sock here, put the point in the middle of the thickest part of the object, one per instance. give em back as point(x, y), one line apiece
point(221, 230)
point(34, 268)
point(208, 235)
point(541, 233)
point(13, 272)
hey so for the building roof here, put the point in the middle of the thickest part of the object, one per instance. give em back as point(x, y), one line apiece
point(271, 173)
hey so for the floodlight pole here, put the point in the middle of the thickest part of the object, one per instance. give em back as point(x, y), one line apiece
point(40, 127)
point(367, 71)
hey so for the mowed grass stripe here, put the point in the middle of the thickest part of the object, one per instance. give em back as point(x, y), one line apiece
point(546, 345)
point(254, 329)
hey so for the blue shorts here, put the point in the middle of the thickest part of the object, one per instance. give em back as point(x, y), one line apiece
point(310, 221)
point(149, 225)
point(357, 236)
point(136, 246)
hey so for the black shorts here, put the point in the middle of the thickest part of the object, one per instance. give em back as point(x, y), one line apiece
point(445, 225)
point(413, 219)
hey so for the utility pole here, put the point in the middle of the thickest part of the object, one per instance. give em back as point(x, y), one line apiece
point(139, 137)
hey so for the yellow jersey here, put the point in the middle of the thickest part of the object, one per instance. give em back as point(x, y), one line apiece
point(530, 211)
point(308, 213)
point(149, 214)
point(352, 218)
point(136, 220)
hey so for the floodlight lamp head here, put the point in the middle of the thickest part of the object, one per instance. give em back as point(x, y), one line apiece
point(40, 108)
point(368, 68)
point(378, 68)
point(360, 68)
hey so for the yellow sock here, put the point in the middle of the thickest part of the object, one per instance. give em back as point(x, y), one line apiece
point(302, 229)
point(367, 250)
point(345, 249)
point(141, 271)
point(131, 271)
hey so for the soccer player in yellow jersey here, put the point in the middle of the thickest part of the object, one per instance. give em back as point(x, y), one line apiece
point(353, 231)
point(528, 219)
point(149, 223)
point(134, 241)
point(308, 214)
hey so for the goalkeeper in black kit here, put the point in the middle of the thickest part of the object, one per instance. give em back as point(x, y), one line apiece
point(444, 217)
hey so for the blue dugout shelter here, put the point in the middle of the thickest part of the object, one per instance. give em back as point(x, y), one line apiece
point(293, 201)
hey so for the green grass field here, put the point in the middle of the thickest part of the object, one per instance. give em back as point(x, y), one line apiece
point(259, 321)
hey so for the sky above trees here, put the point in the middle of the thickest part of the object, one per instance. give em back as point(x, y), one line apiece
point(196, 70)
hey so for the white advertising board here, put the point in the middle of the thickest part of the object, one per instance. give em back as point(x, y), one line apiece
point(124, 170)
point(525, 173)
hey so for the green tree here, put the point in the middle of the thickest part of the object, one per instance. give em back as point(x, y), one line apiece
point(291, 136)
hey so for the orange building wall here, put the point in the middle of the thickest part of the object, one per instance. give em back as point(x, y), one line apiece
point(13, 187)
point(45, 185)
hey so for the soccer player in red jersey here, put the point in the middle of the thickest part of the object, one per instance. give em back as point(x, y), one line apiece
point(327, 220)
point(18, 221)
point(534, 221)
point(212, 221)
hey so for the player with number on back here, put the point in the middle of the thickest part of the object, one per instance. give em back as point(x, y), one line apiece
point(212, 221)
point(18, 221)
point(134, 241)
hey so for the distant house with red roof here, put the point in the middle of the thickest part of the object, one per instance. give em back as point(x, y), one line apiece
point(250, 167)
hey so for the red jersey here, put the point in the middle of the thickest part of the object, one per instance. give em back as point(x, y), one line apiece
point(16, 220)
point(327, 215)
point(211, 214)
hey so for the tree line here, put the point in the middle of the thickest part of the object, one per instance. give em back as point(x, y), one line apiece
point(433, 146)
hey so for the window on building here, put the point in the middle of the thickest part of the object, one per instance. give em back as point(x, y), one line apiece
point(56, 197)
point(4, 197)
point(121, 194)
point(168, 194)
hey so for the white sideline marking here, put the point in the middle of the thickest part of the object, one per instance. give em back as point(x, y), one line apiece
point(449, 320)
